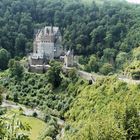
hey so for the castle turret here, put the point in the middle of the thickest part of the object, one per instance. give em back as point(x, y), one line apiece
point(69, 59)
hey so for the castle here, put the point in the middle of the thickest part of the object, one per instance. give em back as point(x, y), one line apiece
point(47, 45)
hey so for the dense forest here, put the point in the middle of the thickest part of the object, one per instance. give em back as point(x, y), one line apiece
point(105, 37)
point(86, 29)
point(107, 30)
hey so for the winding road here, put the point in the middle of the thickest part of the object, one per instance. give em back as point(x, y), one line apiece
point(26, 111)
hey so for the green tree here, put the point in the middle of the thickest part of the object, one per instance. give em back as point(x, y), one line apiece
point(20, 44)
point(109, 55)
point(106, 69)
point(121, 58)
point(13, 129)
point(16, 69)
point(136, 53)
point(92, 64)
point(4, 59)
point(53, 75)
point(48, 133)
point(72, 74)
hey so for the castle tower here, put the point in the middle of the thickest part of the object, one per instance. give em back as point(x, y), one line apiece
point(69, 59)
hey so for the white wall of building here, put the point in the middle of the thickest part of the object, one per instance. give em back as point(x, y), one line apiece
point(48, 42)
point(46, 48)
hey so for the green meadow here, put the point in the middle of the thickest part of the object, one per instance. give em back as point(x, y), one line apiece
point(37, 126)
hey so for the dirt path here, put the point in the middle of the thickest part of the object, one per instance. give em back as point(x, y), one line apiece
point(128, 80)
point(61, 124)
point(26, 111)
point(29, 112)
point(90, 76)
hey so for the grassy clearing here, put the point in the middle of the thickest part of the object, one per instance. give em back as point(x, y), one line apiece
point(37, 126)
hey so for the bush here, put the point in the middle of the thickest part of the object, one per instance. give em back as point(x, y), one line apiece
point(53, 76)
point(31, 81)
point(21, 111)
point(106, 69)
point(52, 122)
point(49, 131)
point(16, 69)
point(2, 111)
point(7, 97)
point(15, 97)
point(72, 74)
point(136, 75)
point(35, 114)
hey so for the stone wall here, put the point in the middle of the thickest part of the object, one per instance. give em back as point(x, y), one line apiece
point(37, 61)
point(45, 48)
point(38, 69)
point(68, 61)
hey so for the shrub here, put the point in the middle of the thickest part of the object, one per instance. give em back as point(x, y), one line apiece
point(53, 76)
point(47, 118)
point(35, 114)
point(16, 69)
point(106, 69)
point(136, 75)
point(2, 111)
point(15, 97)
point(31, 81)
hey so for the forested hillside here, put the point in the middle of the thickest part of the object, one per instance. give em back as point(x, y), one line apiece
point(107, 111)
point(88, 29)
point(105, 37)
point(106, 30)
